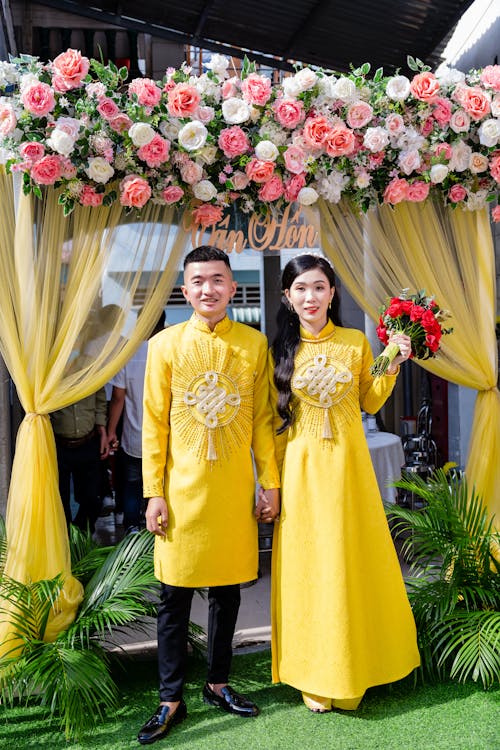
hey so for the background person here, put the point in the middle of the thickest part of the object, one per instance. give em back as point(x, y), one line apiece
point(206, 410)
point(341, 620)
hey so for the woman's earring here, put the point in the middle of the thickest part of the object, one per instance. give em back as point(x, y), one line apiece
point(288, 304)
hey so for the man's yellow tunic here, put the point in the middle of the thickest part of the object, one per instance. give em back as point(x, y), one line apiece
point(340, 615)
point(206, 411)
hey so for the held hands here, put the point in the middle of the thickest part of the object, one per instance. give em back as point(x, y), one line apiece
point(157, 516)
point(404, 343)
point(268, 505)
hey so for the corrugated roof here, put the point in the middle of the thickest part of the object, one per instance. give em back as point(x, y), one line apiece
point(328, 33)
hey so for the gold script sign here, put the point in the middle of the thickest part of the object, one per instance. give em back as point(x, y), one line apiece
point(265, 233)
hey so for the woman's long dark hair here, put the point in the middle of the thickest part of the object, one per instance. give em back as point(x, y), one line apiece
point(287, 339)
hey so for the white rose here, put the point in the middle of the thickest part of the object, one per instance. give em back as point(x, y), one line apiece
point(326, 86)
point(478, 163)
point(266, 151)
point(99, 170)
point(376, 139)
point(193, 136)
point(170, 128)
point(204, 190)
point(291, 87)
point(409, 161)
point(307, 196)
point(141, 134)
point(306, 79)
point(460, 157)
point(495, 106)
point(28, 80)
point(61, 142)
point(218, 64)
point(70, 125)
point(345, 89)
point(398, 88)
point(235, 111)
point(489, 133)
point(438, 173)
point(207, 155)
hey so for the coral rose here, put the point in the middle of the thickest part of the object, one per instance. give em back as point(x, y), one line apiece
point(38, 99)
point(107, 108)
point(340, 141)
point(256, 89)
point(32, 151)
point(207, 214)
point(233, 142)
point(359, 114)
point(457, 193)
point(425, 86)
point(475, 102)
point(442, 111)
point(259, 171)
point(147, 92)
point(46, 170)
point(396, 191)
point(495, 214)
point(89, 197)
point(417, 191)
point(272, 189)
point(289, 112)
point(134, 191)
point(155, 153)
point(120, 123)
point(294, 158)
point(183, 100)
point(172, 194)
point(70, 68)
point(8, 119)
point(316, 130)
point(495, 167)
point(191, 172)
point(293, 186)
point(490, 77)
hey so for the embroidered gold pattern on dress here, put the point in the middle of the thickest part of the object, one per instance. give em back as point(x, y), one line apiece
point(323, 383)
point(210, 391)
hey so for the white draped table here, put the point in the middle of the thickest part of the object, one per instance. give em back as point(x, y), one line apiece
point(387, 456)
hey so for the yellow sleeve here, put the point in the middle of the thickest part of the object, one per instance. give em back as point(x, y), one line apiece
point(156, 419)
point(262, 437)
point(373, 392)
point(280, 440)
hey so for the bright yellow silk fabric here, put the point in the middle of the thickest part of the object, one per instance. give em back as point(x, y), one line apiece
point(61, 342)
point(450, 254)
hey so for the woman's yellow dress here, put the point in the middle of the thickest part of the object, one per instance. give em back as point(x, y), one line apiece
point(341, 620)
point(206, 417)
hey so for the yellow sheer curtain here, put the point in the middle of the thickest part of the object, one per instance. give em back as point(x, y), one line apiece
point(450, 254)
point(67, 289)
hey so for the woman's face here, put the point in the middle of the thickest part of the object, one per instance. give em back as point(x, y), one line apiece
point(310, 295)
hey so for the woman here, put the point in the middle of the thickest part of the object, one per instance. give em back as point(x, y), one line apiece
point(340, 615)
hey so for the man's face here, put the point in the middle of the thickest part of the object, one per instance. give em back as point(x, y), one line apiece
point(209, 288)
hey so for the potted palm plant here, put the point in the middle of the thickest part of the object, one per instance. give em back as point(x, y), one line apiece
point(454, 586)
point(71, 677)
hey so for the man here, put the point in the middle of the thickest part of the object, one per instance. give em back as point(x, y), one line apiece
point(81, 444)
point(206, 410)
point(126, 399)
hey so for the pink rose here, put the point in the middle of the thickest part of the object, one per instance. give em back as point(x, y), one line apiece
point(32, 151)
point(475, 102)
point(460, 121)
point(70, 68)
point(490, 77)
point(155, 153)
point(191, 172)
point(38, 99)
point(256, 89)
point(8, 119)
point(68, 169)
point(359, 115)
point(294, 158)
point(207, 214)
point(233, 141)
point(495, 167)
point(495, 214)
point(409, 161)
point(205, 114)
point(134, 191)
point(183, 100)
point(442, 111)
point(272, 189)
point(146, 90)
point(427, 126)
point(89, 197)
point(46, 170)
point(457, 193)
point(240, 180)
point(289, 112)
point(230, 88)
point(394, 124)
point(396, 191)
point(259, 171)
point(96, 88)
point(425, 86)
point(417, 191)
point(107, 108)
point(340, 141)
point(444, 149)
point(120, 123)
point(294, 185)
point(172, 194)
point(316, 130)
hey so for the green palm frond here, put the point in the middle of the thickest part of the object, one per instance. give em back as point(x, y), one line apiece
point(86, 556)
point(28, 606)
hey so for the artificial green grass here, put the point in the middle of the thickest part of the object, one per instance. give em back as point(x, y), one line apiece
point(401, 716)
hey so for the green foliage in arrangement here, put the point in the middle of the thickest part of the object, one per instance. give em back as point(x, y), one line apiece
point(71, 676)
point(454, 588)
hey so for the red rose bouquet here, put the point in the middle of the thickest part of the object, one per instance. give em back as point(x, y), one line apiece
point(416, 315)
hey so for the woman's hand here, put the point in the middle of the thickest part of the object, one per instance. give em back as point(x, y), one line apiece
point(404, 343)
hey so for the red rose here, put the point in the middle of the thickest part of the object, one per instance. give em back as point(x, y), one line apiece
point(382, 332)
point(416, 312)
point(394, 310)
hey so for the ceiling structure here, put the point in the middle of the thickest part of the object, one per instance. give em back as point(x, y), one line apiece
point(330, 34)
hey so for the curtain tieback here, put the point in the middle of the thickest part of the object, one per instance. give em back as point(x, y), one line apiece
point(35, 414)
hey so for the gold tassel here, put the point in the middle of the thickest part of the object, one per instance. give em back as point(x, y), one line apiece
point(211, 452)
point(327, 430)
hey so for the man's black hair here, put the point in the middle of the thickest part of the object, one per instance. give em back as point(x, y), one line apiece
point(205, 253)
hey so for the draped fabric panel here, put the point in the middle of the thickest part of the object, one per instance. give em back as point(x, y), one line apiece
point(69, 288)
point(450, 254)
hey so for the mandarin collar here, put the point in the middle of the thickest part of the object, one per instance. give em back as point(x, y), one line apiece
point(325, 333)
point(223, 326)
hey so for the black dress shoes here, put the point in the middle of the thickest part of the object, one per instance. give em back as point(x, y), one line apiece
point(230, 701)
point(160, 723)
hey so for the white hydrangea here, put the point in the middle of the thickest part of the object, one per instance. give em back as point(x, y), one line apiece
point(410, 139)
point(206, 87)
point(8, 74)
point(273, 132)
point(326, 86)
point(449, 76)
point(345, 89)
point(27, 80)
point(218, 64)
point(330, 186)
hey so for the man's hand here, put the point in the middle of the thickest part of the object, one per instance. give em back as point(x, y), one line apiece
point(157, 516)
point(268, 505)
point(103, 438)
